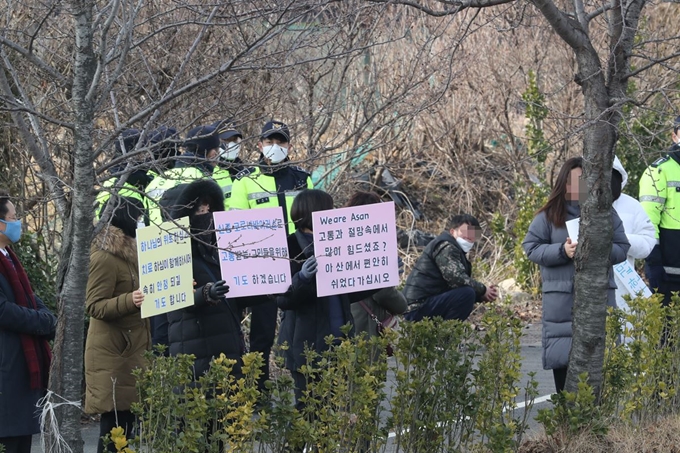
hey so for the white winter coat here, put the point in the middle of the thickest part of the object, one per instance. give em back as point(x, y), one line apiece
point(639, 229)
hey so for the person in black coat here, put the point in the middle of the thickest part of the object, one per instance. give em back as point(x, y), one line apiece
point(308, 319)
point(212, 325)
point(25, 326)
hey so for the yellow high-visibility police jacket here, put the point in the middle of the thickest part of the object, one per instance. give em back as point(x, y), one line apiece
point(224, 177)
point(126, 190)
point(170, 179)
point(660, 198)
point(253, 188)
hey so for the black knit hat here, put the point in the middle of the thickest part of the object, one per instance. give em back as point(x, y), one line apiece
point(192, 195)
point(130, 137)
point(163, 142)
point(202, 139)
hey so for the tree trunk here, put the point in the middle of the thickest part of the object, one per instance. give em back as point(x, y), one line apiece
point(592, 259)
point(66, 379)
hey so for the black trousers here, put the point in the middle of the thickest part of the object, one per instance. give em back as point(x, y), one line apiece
point(126, 420)
point(560, 376)
point(667, 287)
point(19, 444)
point(262, 332)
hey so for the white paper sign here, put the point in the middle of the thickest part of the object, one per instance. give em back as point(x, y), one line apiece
point(629, 281)
point(572, 229)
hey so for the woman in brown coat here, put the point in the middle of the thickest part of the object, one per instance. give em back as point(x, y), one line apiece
point(118, 336)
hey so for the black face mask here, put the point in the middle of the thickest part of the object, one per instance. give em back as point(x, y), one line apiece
point(202, 228)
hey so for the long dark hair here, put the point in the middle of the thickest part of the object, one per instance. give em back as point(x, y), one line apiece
point(556, 207)
point(307, 202)
point(362, 198)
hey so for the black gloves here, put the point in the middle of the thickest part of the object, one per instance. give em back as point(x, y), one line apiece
point(218, 289)
point(214, 292)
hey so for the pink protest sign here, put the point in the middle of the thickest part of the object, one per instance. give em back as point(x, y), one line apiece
point(253, 251)
point(356, 249)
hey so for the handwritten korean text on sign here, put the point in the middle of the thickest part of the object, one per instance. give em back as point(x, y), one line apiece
point(629, 281)
point(165, 267)
point(356, 249)
point(253, 251)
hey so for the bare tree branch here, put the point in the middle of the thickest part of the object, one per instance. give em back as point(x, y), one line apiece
point(599, 11)
point(35, 60)
point(581, 15)
point(457, 6)
point(50, 175)
point(101, 60)
point(653, 62)
point(17, 107)
point(568, 29)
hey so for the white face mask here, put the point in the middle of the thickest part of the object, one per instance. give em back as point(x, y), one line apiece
point(465, 244)
point(230, 151)
point(275, 153)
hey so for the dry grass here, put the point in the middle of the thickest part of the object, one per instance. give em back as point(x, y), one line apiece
point(661, 437)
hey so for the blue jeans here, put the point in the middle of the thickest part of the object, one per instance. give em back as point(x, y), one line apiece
point(454, 304)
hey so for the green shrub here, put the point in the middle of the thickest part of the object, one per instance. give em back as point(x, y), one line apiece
point(454, 389)
point(573, 413)
point(642, 375)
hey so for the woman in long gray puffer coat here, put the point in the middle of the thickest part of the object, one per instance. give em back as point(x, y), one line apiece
point(548, 245)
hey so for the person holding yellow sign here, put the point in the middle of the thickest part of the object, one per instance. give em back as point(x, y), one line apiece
point(117, 337)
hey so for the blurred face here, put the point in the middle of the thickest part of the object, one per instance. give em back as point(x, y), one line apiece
point(273, 140)
point(274, 148)
point(203, 209)
point(676, 136)
point(227, 141)
point(467, 232)
point(575, 187)
point(212, 154)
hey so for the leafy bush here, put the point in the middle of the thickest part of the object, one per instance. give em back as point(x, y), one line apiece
point(641, 375)
point(573, 413)
point(454, 388)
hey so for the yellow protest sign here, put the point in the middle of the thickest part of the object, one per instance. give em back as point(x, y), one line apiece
point(165, 267)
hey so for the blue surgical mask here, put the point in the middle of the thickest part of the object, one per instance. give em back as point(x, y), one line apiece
point(12, 230)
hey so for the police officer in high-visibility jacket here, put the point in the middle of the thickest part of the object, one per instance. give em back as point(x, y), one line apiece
point(229, 163)
point(273, 183)
point(660, 197)
point(137, 180)
point(197, 162)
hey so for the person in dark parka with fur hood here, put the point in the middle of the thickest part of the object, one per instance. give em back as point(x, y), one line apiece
point(117, 337)
point(212, 325)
